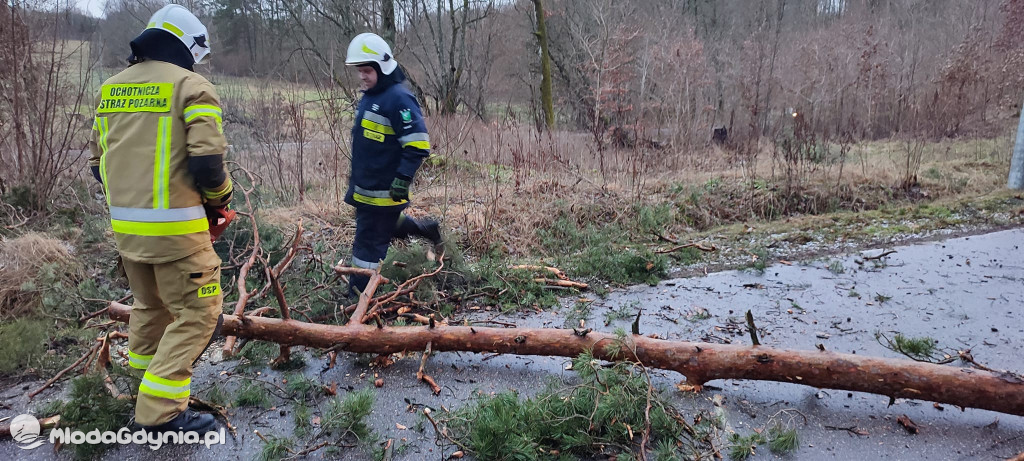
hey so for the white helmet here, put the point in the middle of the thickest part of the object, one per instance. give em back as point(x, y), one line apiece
point(367, 48)
point(179, 21)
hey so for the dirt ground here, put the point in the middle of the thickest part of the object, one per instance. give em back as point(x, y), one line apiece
point(965, 292)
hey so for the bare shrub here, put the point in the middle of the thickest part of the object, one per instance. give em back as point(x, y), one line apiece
point(44, 80)
point(277, 134)
point(22, 263)
point(913, 151)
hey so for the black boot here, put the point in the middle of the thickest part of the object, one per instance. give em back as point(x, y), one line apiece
point(186, 421)
point(426, 228)
point(431, 230)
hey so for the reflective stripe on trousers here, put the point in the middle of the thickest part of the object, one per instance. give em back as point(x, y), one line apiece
point(165, 388)
point(139, 361)
point(356, 262)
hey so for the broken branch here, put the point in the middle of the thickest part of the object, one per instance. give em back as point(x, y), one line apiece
point(92, 315)
point(562, 283)
point(554, 270)
point(407, 287)
point(423, 376)
point(345, 270)
point(278, 293)
point(752, 328)
point(880, 256)
point(283, 265)
point(364, 299)
point(698, 246)
point(666, 238)
point(54, 379)
point(103, 360)
point(420, 319)
point(243, 293)
point(852, 429)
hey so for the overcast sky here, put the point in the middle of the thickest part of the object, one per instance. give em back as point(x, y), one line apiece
point(91, 7)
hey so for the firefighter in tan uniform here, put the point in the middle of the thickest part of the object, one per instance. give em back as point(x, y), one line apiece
point(158, 149)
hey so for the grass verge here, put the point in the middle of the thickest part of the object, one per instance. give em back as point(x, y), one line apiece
point(602, 414)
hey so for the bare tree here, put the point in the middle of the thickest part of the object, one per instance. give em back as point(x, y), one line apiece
point(436, 39)
point(850, 66)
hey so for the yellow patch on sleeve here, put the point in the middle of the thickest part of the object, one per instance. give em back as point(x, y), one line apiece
point(212, 289)
point(373, 135)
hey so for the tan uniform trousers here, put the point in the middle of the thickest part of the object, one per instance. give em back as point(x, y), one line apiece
point(173, 318)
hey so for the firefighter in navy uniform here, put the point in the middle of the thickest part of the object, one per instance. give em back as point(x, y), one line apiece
point(158, 149)
point(389, 141)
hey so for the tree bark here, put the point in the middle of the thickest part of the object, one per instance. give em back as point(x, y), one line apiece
point(45, 423)
point(1016, 178)
point(699, 362)
point(387, 19)
point(545, 67)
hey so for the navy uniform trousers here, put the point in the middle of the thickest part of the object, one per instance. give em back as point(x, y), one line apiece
point(375, 229)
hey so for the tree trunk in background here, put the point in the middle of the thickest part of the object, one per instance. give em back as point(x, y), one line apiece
point(545, 67)
point(388, 21)
point(1016, 180)
point(699, 362)
point(768, 110)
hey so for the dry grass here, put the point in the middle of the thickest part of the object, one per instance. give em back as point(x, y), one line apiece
point(502, 204)
point(22, 263)
point(495, 184)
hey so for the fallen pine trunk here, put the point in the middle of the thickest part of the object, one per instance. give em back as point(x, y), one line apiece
point(699, 362)
point(45, 423)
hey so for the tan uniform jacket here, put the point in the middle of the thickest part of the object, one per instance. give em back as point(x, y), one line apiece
point(150, 119)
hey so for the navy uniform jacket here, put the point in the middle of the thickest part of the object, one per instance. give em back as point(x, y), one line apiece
point(389, 140)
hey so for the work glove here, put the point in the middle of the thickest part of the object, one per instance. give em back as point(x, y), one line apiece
point(220, 217)
point(400, 188)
